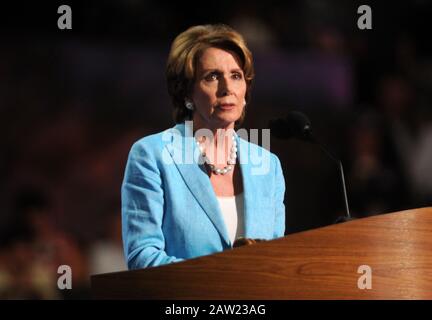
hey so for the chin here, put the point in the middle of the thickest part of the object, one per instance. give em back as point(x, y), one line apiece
point(228, 117)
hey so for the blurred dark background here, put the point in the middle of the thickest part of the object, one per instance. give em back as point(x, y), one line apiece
point(72, 102)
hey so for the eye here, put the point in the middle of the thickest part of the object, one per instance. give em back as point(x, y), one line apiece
point(237, 76)
point(211, 76)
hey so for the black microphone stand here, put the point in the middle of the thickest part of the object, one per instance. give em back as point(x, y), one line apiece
point(307, 133)
point(297, 125)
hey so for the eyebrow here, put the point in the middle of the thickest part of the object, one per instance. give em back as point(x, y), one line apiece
point(217, 70)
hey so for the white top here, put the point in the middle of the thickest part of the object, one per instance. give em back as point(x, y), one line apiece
point(233, 215)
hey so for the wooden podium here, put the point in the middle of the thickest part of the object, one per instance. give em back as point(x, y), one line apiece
point(315, 264)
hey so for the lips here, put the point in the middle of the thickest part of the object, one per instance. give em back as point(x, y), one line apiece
point(226, 106)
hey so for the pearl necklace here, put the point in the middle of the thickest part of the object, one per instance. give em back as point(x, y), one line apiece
point(231, 159)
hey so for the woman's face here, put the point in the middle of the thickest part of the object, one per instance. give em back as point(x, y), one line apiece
point(219, 90)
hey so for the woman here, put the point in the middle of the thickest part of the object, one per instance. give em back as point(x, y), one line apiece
point(193, 189)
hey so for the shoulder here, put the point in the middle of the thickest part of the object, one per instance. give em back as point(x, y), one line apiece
point(147, 155)
point(152, 144)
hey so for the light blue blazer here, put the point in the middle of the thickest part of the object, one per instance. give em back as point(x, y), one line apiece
point(169, 208)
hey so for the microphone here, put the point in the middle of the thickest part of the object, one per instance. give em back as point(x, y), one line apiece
point(298, 126)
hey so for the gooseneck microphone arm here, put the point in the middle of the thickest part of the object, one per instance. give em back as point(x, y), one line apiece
point(342, 175)
point(297, 125)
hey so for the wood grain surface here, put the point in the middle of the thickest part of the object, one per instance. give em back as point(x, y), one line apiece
point(315, 264)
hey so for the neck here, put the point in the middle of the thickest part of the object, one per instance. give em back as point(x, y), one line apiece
point(216, 135)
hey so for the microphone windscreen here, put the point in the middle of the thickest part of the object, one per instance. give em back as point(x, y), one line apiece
point(295, 125)
point(299, 124)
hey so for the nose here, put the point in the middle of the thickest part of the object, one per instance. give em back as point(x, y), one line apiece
point(225, 86)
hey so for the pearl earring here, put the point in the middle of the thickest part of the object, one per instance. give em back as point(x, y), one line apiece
point(189, 105)
point(244, 103)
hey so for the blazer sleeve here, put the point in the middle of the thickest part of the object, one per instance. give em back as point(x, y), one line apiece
point(279, 199)
point(142, 197)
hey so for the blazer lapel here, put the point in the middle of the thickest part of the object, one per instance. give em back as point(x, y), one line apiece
point(254, 163)
point(248, 185)
point(185, 155)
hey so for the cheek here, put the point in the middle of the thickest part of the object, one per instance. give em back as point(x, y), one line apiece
point(203, 94)
point(241, 90)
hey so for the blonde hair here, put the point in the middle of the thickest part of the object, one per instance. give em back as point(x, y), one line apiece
point(185, 51)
